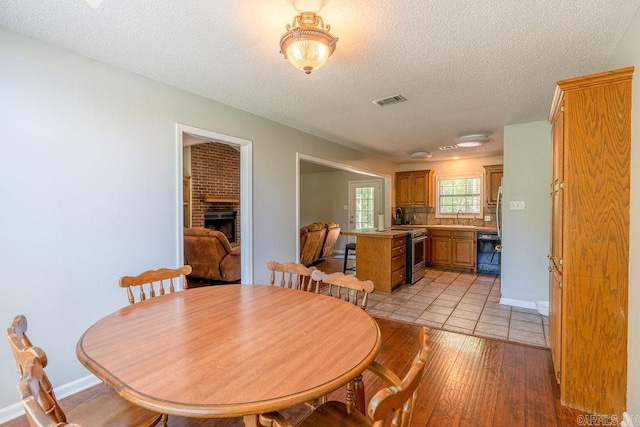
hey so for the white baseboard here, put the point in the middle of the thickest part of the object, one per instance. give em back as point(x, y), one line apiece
point(518, 303)
point(11, 412)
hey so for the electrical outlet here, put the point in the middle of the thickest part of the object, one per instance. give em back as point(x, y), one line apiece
point(516, 205)
point(487, 218)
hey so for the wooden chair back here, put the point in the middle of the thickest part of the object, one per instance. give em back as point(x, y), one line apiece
point(39, 404)
point(292, 275)
point(149, 280)
point(400, 397)
point(23, 352)
point(345, 286)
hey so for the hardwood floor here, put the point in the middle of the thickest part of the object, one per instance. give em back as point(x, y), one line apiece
point(470, 381)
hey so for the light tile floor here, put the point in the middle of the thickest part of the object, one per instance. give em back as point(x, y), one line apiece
point(461, 302)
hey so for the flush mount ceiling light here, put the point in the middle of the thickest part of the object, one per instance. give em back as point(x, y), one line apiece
point(307, 43)
point(420, 155)
point(472, 140)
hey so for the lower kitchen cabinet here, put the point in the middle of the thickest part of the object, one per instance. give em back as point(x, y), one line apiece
point(440, 248)
point(463, 252)
point(453, 249)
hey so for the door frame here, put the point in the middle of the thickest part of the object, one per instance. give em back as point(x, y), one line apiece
point(340, 166)
point(246, 189)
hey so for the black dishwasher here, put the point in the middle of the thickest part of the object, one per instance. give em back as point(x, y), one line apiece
point(489, 253)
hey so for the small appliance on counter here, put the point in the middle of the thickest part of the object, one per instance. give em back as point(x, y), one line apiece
point(399, 216)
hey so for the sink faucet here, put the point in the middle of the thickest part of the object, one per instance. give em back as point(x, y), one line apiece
point(457, 216)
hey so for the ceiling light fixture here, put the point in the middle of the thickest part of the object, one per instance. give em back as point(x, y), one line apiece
point(420, 155)
point(307, 43)
point(472, 140)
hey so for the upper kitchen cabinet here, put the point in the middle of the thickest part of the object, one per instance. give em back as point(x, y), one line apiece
point(414, 188)
point(589, 259)
point(492, 182)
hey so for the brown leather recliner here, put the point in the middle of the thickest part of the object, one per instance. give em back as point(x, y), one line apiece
point(317, 241)
point(311, 241)
point(210, 255)
point(333, 231)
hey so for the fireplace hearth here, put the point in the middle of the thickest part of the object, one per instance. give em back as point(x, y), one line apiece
point(224, 222)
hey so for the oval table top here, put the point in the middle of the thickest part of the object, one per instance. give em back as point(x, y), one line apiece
point(232, 350)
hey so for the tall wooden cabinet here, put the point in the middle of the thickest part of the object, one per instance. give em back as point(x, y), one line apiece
point(589, 259)
point(414, 188)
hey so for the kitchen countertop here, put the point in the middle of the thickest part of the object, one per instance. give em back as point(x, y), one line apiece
point(484, 229)
point(386, 234)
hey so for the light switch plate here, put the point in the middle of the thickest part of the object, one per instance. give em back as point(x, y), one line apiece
point(516, 205)
point(487, 217)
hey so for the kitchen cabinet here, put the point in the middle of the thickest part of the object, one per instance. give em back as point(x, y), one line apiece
point(440, 247)
point(453, 249)
point(414, 189)
point(589, 259)
point(463, 250)
point(492, 182)
point(381, 258)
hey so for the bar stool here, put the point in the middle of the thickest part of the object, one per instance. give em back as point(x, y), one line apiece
point(348, 247)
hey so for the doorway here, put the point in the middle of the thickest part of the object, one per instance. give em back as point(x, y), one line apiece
point(187, 133)
point(328, 199)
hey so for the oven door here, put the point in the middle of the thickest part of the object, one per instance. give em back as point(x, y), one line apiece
point(417, 254)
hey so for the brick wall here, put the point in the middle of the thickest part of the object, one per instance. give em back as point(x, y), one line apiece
point(215, 171)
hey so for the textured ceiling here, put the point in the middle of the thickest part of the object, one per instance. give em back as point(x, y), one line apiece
point(465, 66)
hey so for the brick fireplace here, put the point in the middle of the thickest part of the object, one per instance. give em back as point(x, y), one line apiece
point(215, 186)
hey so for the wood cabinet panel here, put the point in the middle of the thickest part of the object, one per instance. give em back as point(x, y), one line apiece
point(441, 248)
point(590, 239)
point(403, 189)
point(414, 188)
point(463, 253)
point(492, 182)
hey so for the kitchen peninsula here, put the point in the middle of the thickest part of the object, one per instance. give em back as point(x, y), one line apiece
point(380, 257)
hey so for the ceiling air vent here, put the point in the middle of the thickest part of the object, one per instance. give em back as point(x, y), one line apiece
point(390, 100)
point(448, 147)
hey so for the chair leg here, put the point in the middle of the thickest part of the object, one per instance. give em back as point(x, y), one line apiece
point(164, 420)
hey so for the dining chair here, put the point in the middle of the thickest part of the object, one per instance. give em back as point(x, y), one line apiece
point(395, 401)
point(40, 404)
point(345, 286)
point(148, 280)
point(292, 275)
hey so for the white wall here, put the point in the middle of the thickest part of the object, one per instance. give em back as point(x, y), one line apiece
point(323, 196)
point(627, 54)
point(88, 194)
point(525, 241)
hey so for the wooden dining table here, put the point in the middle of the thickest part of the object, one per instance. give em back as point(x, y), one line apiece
point(231, 350)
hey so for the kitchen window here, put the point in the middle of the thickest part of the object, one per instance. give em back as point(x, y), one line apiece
point(458, 195)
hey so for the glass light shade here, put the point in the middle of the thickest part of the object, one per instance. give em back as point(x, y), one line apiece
point(469, 144)
point(307, 43)
point(472, 140)
point(307, 55)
